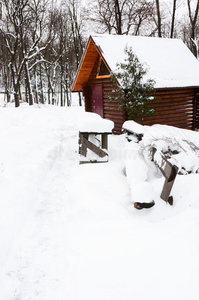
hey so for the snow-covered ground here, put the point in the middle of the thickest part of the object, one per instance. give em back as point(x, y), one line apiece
point(70, 231)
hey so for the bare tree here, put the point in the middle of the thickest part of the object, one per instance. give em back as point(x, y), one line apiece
point(193, 21)
point(173, 18)
point(122, 16)
point(34, 41)
point(76, 21)
point(11, 34)
point(118, 17)
point(159, 24)
point(64, 52)
point(22, 33)
point(5, 70)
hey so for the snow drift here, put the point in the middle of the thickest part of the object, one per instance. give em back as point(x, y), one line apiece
point(70, 231)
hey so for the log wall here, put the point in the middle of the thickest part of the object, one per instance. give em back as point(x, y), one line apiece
point(111, 109)
point(173, 107)
point(196, 112)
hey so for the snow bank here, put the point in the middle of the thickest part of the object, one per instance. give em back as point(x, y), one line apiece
point(180, 146)
point(92, 122)
point(136, 172)
point(134, 127)
point(70, 231)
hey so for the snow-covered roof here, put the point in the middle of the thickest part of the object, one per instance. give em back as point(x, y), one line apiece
point(169, 62)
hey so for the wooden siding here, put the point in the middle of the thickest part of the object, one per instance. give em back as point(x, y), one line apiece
point(173, 107)
point(111, 109)
point(196, 112)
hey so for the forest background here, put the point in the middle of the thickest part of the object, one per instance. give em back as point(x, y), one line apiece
point(42, 41)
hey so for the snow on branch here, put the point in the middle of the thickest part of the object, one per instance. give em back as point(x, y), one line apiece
point(38, 62)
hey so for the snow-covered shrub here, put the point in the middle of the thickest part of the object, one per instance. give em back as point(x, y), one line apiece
point(133, 93)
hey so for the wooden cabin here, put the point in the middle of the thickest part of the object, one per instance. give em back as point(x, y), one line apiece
point(169, 62)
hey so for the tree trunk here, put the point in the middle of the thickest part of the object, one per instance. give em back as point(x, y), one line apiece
point(62, 74)
point(118, 17)
point(28, 84)
point(193, 21)
point(7, 95)
point(41, 85)
point(6, 84)
point(173, 19)
point(80, 99)
point(159, 18)
point(36, 87)
point(16, 98)
point(15, 86)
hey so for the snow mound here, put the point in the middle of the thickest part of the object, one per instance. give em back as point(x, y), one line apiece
point(180, 146)
point(70, 231)
point(142, 192)
point(92, 122)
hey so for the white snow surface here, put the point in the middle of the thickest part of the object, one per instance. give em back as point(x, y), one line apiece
point(92, 122)
point(168, 138)
point(169, 62)
point(70, 231)
point(134, 127)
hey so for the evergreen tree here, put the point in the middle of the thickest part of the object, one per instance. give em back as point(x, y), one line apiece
point(133, 93)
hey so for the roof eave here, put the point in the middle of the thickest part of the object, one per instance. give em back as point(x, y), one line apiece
point(80, 79)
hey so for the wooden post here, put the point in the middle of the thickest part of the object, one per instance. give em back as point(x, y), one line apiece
point(168, 184)
point(169, 171)
point(104, 141)
point(82, 146)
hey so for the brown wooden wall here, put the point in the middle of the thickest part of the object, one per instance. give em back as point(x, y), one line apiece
point(196, 112)
point(173, 107)
point(111, 109)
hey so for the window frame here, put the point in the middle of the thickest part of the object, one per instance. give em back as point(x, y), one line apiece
point(98, 69)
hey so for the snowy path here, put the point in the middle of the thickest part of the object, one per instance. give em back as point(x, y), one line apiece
point(43, 260)
point(35, 247)
point(71, 232)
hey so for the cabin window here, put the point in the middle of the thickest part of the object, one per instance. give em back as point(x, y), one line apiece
point(102, 69)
